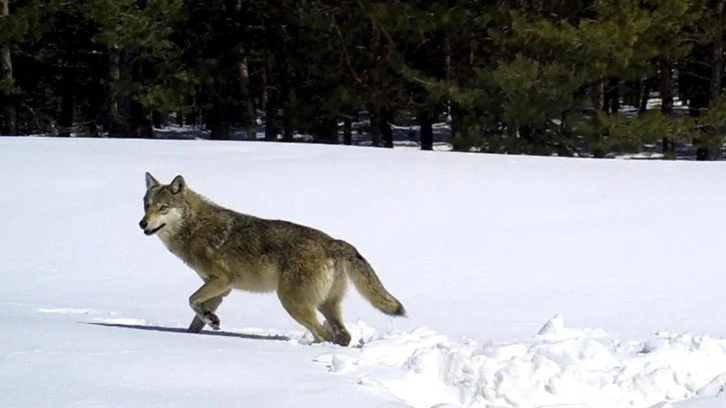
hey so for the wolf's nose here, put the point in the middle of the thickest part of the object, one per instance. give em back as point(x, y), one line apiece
point(143, 224)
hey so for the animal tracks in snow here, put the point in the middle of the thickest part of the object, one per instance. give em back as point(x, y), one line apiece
point(63, 310)
point(559, 366)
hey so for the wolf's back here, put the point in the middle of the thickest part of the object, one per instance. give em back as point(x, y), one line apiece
point(366, 280)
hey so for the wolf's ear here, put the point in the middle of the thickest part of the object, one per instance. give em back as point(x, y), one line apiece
point(178, 185)
point(151, 181)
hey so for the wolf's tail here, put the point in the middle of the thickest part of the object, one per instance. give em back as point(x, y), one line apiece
point(368, 284)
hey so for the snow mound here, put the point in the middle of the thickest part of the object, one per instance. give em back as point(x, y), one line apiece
point(558, 367)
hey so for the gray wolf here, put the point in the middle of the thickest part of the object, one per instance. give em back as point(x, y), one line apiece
point(308, 269)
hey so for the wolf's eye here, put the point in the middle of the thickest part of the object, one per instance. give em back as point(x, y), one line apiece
point(163, 207)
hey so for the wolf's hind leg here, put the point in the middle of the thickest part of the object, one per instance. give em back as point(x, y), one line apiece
point(300, 308)
point(307, 317)
point(211, 289)
point(331, 310)
point(211, 305)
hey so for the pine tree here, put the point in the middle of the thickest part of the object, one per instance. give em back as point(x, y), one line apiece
point(9, 126)
point(144, 74)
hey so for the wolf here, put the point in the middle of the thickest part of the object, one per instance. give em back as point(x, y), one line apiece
point(307, 268)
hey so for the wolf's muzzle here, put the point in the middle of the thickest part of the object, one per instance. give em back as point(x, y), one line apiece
point(145, 225)
point(153, 231)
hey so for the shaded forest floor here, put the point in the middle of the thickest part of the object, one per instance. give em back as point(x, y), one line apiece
point(406, 133)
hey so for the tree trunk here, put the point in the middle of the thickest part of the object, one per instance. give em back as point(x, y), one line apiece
point(272, 104)
point(220, 131)
point(376, 131)
point(386, 119)
point(717, 57)
point(631, 96)
point(139, 122)
point(139, 118)
point(326, 130)
point(271, 126)
point(248, 103)
point(465, 132)
point(598, 93)
point(115, 126)
point(6, 75)
point(645, 96)
point(427, 130)
point(219, 119)
point(10, 126)
point(287, 126)
point(219, 128)
point(666, 85)
point(666, 93)
point(611, 98)
point(66, 113)
point(347, 131)
point(698, 75)
point(264, 94)
point(193, 116)
point(96, 101)
point(158, 119)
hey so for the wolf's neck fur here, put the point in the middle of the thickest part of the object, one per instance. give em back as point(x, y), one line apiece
point(196, 204)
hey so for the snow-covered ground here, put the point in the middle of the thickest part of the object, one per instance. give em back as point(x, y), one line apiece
point(529, 281)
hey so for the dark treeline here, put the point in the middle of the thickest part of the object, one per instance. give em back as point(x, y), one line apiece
point(533, 77)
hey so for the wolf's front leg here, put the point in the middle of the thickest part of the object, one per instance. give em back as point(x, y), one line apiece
point(211, 289)
point(212, 304)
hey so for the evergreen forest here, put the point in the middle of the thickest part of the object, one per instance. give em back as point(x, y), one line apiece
point(569, 78)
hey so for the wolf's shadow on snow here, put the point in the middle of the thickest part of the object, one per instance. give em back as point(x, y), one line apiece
point(248, 336)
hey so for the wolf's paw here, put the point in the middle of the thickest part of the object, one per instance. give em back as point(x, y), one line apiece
point(339, 336)
point(342, 338)
point(212, 320)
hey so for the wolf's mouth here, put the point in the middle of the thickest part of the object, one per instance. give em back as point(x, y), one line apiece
point(154, 231)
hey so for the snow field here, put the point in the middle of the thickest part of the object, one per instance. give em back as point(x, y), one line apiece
point(489, 254)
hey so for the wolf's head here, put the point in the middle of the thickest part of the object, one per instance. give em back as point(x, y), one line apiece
point(164, 205)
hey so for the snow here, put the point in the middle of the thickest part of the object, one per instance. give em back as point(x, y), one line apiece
point(558, 367)
point(529, 281)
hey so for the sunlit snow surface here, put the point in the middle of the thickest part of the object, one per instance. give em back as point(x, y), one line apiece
point(529, 281)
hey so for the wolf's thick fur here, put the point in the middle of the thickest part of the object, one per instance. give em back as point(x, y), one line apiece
point(307, 268)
